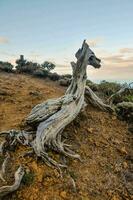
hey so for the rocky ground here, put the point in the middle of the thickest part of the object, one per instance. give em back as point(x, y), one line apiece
point(104, 143)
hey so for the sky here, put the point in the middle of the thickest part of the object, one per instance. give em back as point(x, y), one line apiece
point(53, 30)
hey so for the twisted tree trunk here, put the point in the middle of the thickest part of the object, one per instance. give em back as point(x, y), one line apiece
point(52, 116)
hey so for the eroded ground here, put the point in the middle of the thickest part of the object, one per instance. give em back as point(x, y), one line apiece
point(103, 142)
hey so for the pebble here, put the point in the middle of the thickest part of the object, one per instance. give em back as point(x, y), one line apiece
point(63, 194)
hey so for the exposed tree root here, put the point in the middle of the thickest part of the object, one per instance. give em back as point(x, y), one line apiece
point(12, 137)
point(4, 190)
point(3, 168)
point(28, 153)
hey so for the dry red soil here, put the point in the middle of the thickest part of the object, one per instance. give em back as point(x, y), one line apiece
point(103, 142)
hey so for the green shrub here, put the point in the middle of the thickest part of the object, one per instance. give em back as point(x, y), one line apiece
point(54, 76)
point(48, 66)
point(125, 111)
point(24, 66)
point(109, 88)
point(28, 178)
point(65, 82)
point(6, 66)
point(129, 98)
point(29, 68)
point(67, 76)
point(21, 61)
point(40, 73)
point(121, 98)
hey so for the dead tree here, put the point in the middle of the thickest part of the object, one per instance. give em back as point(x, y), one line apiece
point(51, 117)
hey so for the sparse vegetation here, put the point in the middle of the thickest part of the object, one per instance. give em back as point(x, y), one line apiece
point(48, 66)
point(41, 73)
point(6, 66)
point(24, 66)
point(125, 111)
point(54, 76)
point(20, 62)
point(38, 70)
point(28, 178)
point(108, 88)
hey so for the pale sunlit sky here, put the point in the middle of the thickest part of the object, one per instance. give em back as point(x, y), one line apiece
point(54, 30)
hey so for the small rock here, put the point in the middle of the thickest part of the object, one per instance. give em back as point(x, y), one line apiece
point(63, 194)
point(125, 165)
point(34, 93)
point(123, 150)
point(115, 197)
point(90, 130)
point(114, 118)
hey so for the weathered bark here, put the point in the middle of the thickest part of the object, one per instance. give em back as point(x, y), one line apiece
point(94, 100)
point(54, 115)
point(51, 117)
point(4, 190)
point(3, 168)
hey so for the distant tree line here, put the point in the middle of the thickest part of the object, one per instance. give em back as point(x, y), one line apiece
point(43, 70)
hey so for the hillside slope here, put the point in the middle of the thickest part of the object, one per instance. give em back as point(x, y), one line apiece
point(103, 142)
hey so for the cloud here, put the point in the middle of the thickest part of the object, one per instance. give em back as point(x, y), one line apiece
point(118, 60)
point(4, 40)
point(126, 50)
point(113, 58)
point(115, 66)
point(34, 54)
point(63, 69)
point(95, 42)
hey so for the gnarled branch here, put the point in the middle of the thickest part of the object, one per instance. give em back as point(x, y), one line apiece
point(4, 190)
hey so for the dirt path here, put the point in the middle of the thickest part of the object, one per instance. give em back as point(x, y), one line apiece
point(103, 142)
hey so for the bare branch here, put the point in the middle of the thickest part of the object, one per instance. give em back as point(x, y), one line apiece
point(4, 190)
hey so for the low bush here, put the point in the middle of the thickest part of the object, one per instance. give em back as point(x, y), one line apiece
point(54, 76)
point(66, 76)
point(109, 88)
point(125, 111)
point(28, 178)
point(65, 82)
point(6, 66)
point(29, 68)
point(48, 66)
point(41, 73)
point(123, 97)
